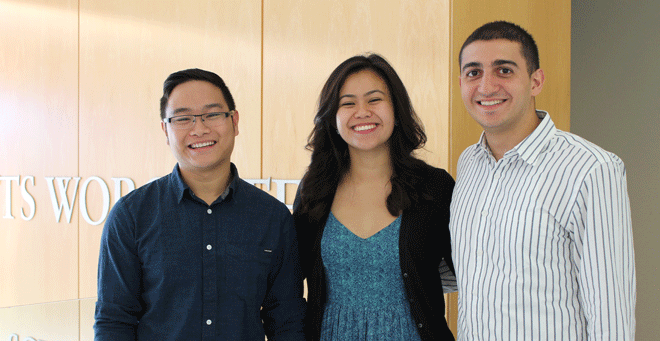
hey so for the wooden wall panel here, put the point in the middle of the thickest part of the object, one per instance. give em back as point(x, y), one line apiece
point(127, 49)
point(304, 41)
point(87, 307)
point(47, 322)
point(38, 105)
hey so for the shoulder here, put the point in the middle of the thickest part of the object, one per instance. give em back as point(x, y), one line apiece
point(431, 184)
point(248, 194)
point(436, 178)
point(571, 148)
point(141, 204)
point(469, 152)
point(438, 173)
point(468, 157)
point(147, 194)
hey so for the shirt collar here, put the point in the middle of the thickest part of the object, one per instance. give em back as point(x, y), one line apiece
point(537, 142)
point(182, 189)
point(482, 147)
point(530, 148)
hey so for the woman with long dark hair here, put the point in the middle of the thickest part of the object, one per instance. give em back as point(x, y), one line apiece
point(372, 219)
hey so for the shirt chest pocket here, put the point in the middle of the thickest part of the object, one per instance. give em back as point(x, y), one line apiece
point(247, 268)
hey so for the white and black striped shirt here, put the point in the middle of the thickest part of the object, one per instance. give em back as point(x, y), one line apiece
point(542, 241)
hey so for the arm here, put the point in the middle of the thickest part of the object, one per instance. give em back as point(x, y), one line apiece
point(446, 268)
point(284, 307)
point(448, 278)
point(606, 257)
point(118, 307)
point(304, 236)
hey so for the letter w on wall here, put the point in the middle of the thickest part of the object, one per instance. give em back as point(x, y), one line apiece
point(64, 203)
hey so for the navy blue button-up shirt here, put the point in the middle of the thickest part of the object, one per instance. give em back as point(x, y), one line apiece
point(172, 267)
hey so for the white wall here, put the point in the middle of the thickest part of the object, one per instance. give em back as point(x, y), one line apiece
point(615, 103)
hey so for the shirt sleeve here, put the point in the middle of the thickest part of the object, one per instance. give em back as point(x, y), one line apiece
point(606, 260)
point(118, 306)
point(284, 307)
point(446, 267)
point(448, 278)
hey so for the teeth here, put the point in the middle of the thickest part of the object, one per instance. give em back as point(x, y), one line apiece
point(203, 144)
point(493, 102)
point(365, 127)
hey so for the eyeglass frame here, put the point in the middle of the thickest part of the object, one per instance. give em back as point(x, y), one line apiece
point(194, 118)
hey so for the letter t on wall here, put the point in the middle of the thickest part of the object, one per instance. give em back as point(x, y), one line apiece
point(9, 179)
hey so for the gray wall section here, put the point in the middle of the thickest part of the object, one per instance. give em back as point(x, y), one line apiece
point(615, 103)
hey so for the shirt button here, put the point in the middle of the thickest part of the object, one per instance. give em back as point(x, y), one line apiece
point(420, 325)
point(208, 322)
point(484, 213)
point(209, 211)
point(405, 275)
point(496, 176)
point(480, 252)
point(209, 247)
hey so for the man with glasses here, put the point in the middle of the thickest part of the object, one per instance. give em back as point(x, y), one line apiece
point(199, 254)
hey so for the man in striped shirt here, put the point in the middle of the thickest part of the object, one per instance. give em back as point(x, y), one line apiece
point(540, 218)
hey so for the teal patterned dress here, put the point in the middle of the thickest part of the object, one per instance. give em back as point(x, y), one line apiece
point(366, 298)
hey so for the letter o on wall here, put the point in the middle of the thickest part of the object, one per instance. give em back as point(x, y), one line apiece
point(106, 200)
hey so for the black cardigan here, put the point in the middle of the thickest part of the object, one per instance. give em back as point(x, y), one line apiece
point(423, 243)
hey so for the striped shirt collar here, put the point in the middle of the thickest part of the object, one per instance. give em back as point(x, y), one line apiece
point(529, 149)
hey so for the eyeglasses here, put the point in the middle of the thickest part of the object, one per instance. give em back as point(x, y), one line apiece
point(212, 119)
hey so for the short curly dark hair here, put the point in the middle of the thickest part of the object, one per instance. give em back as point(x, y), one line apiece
point(509, 31)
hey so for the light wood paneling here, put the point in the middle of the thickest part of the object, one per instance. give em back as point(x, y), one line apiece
point(87, 307)
point(38, 105)
point(304, 41)
point(50, 321)
point(127, 49)
point(550, 25)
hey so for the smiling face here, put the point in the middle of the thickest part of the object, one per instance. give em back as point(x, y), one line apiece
point(200, 149)
point(497, 89)
point(365, 118)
